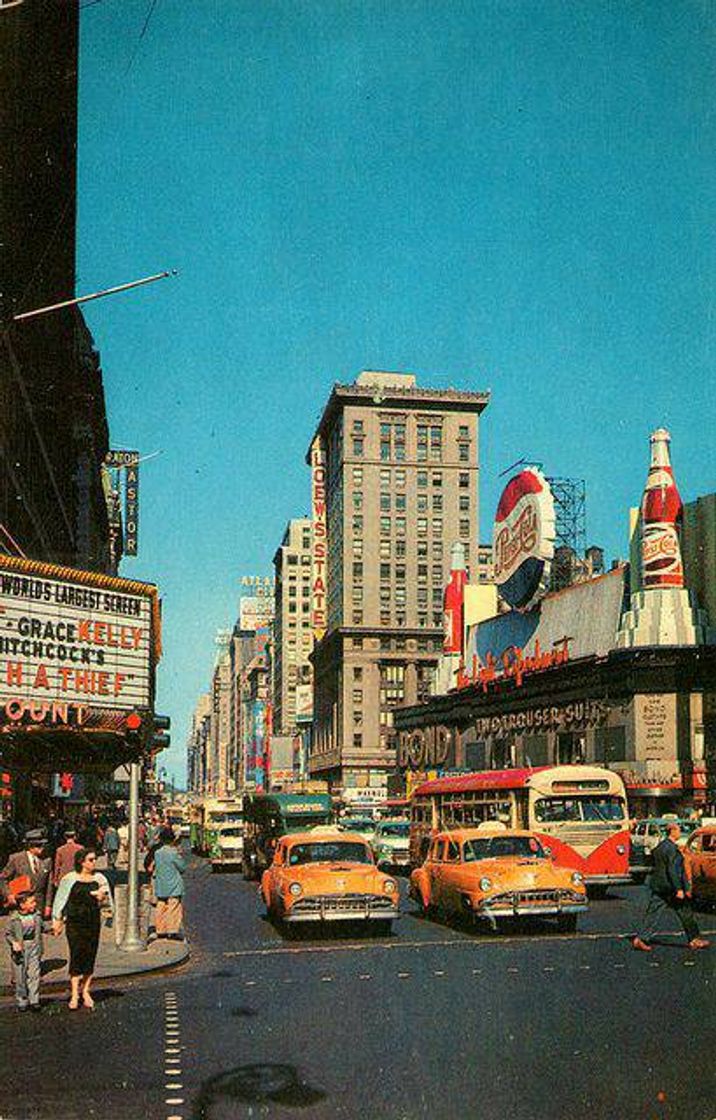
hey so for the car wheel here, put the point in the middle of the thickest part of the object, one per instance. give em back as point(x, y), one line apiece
point(382, 927)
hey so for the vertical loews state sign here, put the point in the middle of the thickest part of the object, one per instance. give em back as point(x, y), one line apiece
point(523, 539)
point(319, 540)
point(76, 648)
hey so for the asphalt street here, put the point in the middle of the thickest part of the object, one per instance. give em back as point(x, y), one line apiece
point(434, 1021)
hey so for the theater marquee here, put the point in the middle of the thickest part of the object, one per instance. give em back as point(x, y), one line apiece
point(74, 645)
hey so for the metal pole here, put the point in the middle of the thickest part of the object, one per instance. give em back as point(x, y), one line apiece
point(93, 295)
point(132, 939)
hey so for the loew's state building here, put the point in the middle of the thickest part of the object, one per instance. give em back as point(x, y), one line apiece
point(399, 472)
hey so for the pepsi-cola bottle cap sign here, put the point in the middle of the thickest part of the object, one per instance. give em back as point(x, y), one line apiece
point(523, 539)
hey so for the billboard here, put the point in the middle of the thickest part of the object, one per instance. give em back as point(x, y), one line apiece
point(319, 540)
point(523, 539)
point(73, 645)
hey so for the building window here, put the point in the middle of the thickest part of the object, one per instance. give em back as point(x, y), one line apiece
point(422, 443)
point(357, 596)
point(437, 550)
point(358, 448)
point(358, 673)
point(385, 571)
point(385, 480)
point(422, 526)
point(422, 620)
point(463, 432)
point(464, 527)
point(437, 478)
point(358, 524)
point(436, 444)
point(357, 643)
point(358, 547)
point(357, 499)
point(421, 548)
point(422, 573)
point(400, 549)
point(437, 503)
point(385, 502)
point(384, 550)
point(464, 452)
point(385, 526)
point(437, 618)
point(400, 501)
point(422, 478)
point(385, 594)
point(400, 526)
point(357, 617)
point(358, 426)
point(385, 618)
point(357, 739)
point(399, 573)
point(437, 526)
point(400, 477)
point(464, 480)
point(422, 503)
point(464, 503)
point(357, 476)
point(437, 573)
point(358, 572)
point(357, 695)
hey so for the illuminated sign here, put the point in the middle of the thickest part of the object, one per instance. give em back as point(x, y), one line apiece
point(514, 664)
point(129, 462)
point(72, 643)
point(523, 539)
point(319, 546)
point(255, 612)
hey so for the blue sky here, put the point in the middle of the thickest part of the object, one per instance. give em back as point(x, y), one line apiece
point(514, 196)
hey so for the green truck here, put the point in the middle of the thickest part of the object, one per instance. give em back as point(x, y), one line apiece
point(268, 816)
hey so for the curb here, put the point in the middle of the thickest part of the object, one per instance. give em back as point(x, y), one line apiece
point(7, 990)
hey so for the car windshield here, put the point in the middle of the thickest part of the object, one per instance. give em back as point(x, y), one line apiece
point(226, 818)
point(400, 828)
point(357, 826)
point(495, 847)
point(329, 852)
point(230, 832)
point(592, 809)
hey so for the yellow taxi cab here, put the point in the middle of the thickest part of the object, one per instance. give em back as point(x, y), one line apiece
point(328, 876)
point(495, 873)
point(700, 856)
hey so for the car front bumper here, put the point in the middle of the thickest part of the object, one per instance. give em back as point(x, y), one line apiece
point(354, 909)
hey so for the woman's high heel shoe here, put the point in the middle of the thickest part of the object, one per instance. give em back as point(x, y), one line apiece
point(88, 1002)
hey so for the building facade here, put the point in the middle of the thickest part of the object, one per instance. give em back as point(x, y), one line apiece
point(293, 633)
point(399, 471)
point(53, 425)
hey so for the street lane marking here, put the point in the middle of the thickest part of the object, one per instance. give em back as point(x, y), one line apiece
point(438, 972)
point(326, 979)
point(365, 976)
point(403, 975)
point(172, 1066)
point(474, 941)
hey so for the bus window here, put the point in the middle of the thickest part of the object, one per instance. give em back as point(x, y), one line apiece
point(557, 809)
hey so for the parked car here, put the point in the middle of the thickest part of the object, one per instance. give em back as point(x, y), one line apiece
point(645, 836)
point(328, 876)
point(700, 854)
point(364, 826)
point(493, 873)
point(391, 844)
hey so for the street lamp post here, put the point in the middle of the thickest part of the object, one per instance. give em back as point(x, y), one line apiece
point(132, 941)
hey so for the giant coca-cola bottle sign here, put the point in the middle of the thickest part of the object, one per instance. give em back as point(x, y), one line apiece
point(523, 539)
point(661, 514)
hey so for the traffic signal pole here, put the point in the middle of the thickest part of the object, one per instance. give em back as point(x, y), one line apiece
point(132, 939)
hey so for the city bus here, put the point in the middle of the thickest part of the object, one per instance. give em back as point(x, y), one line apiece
point(268, 816)
point(579, 812)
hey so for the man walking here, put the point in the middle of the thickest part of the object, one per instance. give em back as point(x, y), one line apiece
point(65, 856)
point(31, 863)
point(670, 887)
point(111, 845)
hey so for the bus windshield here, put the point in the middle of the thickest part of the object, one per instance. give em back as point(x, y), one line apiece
point(396, 828)
point(329, 852)
point(600, 809)
point(225, 818)
point(494, 847)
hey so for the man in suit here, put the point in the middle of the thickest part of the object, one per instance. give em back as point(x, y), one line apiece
point(670, 887)
point(31, 862)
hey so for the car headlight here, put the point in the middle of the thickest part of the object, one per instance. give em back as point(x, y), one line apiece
point(577, 877)
point(389, 886)
point(295, 888)
point(621, 850)
point(485, 883)
point(384, 850)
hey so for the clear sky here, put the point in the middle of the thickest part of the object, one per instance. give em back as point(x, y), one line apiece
point(514, 196)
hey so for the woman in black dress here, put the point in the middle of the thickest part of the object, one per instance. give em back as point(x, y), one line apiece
point(79, 899)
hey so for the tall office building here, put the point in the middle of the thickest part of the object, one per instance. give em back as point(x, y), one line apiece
point(293, 633)
point(395, 484)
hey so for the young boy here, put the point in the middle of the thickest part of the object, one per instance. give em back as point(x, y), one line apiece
point(24, 935)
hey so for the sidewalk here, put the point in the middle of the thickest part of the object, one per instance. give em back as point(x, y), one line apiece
point(111, 961)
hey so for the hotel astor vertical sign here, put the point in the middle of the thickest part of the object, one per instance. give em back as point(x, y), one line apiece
point(319, 549)
point(73, 643)
point(129, 462)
